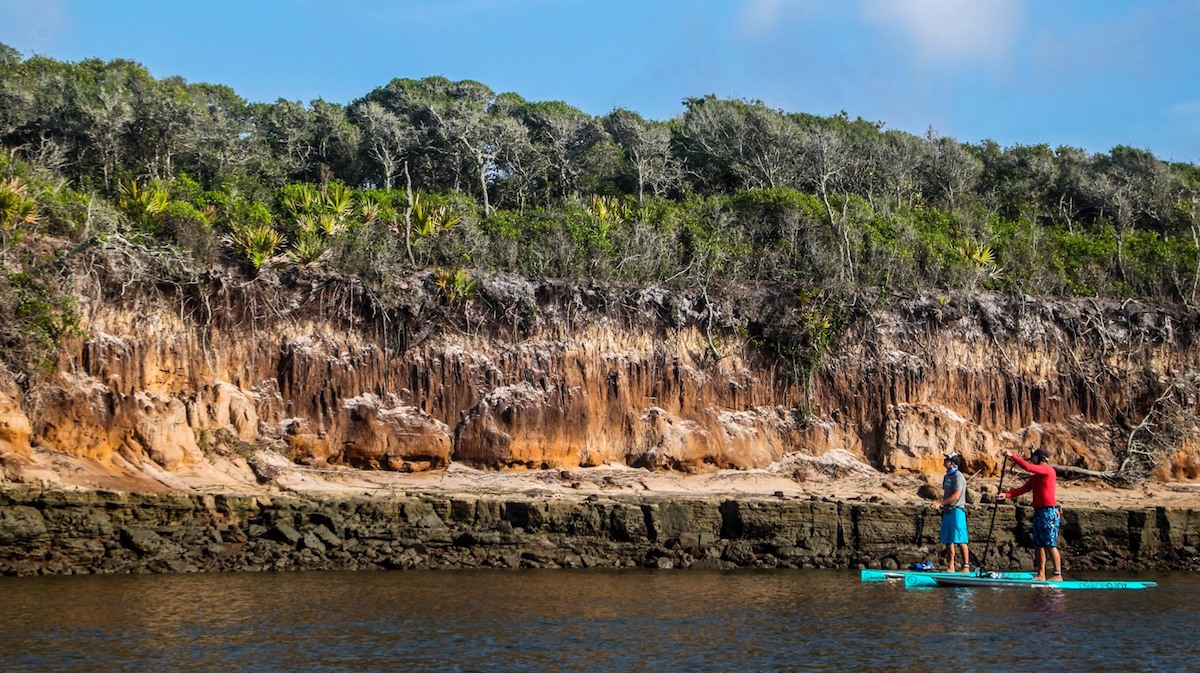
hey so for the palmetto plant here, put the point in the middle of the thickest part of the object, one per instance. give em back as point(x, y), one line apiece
point(607, 212)
point(338, 200)
point(302, 200)
point(370, 211)
point(314, 232)
point(330, 225)
point(143, 205)
point(17, 210)
point(610, 209)
point(257, 243)
point(309, 249)
point(430, 221)
point(982, 258)
point(456, 287)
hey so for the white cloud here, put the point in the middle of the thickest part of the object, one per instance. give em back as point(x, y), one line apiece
point(38, 22)
point(761, 17)
point(951, 30)
point(436, 10)
point(1189, 111)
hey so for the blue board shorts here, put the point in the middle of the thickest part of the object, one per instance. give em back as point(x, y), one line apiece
point(954, 527)
point(1045, 527)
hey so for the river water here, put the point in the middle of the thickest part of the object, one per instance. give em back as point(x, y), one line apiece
point(561, 620)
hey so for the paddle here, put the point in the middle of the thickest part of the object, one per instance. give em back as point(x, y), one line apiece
point(921, 527)
point(995, 506)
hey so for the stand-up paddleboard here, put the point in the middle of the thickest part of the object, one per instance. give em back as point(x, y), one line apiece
point(873, 575)
point(964, 580)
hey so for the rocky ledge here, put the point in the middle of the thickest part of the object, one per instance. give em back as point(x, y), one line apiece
point(73, 532)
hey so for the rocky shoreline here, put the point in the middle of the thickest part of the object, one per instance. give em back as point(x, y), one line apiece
point(57, 532)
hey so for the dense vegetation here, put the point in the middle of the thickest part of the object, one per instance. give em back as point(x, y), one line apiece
point(450, 176)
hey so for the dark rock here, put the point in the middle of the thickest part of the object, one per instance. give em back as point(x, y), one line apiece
point(20, 523)
point(310, 541)
point(282, 532)
point(144, 542)
point(739, 552)
point(327, 537)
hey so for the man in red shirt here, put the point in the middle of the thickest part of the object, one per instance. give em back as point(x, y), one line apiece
point(1045, 510)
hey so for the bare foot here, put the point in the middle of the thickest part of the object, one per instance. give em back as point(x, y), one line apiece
point(1040, 578)
point(1056, 578)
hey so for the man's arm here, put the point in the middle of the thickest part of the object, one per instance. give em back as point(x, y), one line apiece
point(1044, 468)
point(1023, 488)
point(953, 497)
point(960, 483)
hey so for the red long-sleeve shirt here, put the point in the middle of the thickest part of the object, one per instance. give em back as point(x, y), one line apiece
point(1041, 483)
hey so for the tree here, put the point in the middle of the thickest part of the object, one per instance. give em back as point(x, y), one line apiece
point(1145, 182)
point(335, 141)
point(386, 138)
point(468, 120)
point(562, 134)
point(866, 149)
point(949, 170)
point(165, 125)
point(107, 115)
point(1018, 182)
point(287, 129)
point(436, 153)
point(825, 158)
point(1072, 166)
point(223, 131)
point(744, 144)
point(16, 96)
point(647, 150)
point(520, 168)
point(900, 167)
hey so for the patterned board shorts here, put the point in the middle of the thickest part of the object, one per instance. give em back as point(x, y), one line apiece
point(1045, 527)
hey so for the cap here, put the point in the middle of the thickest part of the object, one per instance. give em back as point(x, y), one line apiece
point(954, 458)
point(1041, 453)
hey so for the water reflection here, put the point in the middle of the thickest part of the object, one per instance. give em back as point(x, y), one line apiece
point(1049, 601)
point(567, 620)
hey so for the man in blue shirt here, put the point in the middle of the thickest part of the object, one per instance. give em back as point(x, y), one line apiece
point(954, 517)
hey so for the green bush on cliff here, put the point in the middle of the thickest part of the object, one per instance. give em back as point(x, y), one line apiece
point(39, 315)
point(1084, 263)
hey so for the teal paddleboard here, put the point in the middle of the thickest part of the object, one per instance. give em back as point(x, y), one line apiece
point(873, 575)
point(947, 580)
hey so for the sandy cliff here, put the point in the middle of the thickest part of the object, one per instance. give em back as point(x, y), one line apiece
point(530, 375)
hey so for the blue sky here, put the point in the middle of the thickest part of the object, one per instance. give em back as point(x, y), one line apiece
point(1085, 73)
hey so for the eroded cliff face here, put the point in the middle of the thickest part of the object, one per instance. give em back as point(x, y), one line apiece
point(536, 376)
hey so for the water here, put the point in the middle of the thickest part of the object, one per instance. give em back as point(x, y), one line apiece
point(562, 620)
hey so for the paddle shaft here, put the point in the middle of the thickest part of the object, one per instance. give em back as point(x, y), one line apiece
point(995, 506)
point(921, 527)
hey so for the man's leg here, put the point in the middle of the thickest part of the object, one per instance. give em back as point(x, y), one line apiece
point(1054, 555)
point(950, 557)
point(1040, 566)
point(966, 554)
